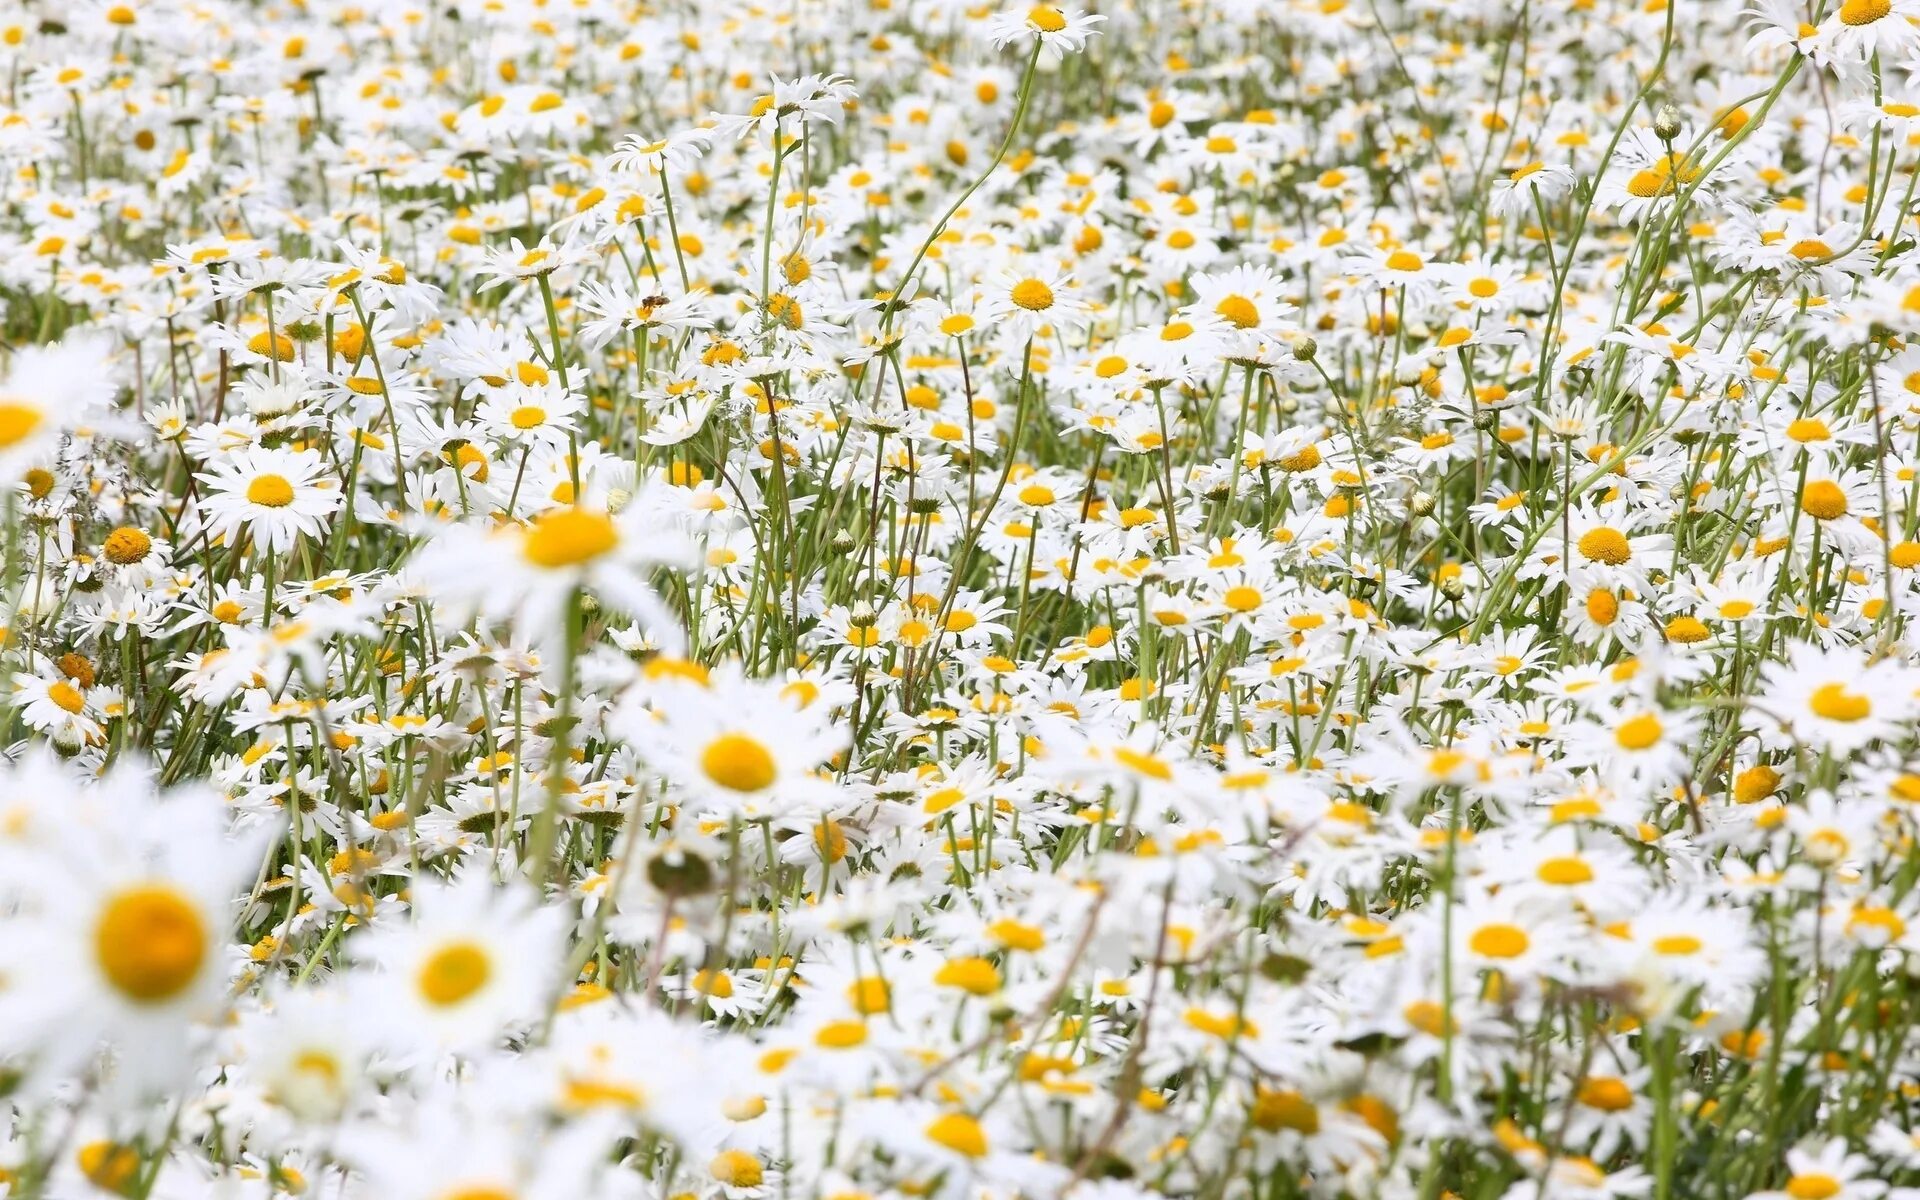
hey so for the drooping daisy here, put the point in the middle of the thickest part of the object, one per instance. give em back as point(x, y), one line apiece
point(1059, 31)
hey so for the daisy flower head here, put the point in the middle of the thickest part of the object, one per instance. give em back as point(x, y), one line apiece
point(1055, 30)
point(48, 391)
point(467, 961)
point(1518, 193)
point(1828, 1169)
point(739, 746)
point(275, 497)
point(1863, 29)
point(1833, 700)
point(536, 568)
point(115, 933)
point(57, 705)
point(675, 152)
point(1024, 304)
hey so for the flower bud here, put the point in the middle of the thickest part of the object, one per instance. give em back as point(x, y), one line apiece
point(677, 872)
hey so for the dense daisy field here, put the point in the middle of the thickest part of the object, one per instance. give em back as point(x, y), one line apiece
point(895, 600)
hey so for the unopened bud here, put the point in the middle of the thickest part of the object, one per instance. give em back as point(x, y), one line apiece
point(1305, 348)
point(862, 616)
point(1452, 587)
point(1421, 503)
point(1666, 123)
point(842, 542)
point(679, 873)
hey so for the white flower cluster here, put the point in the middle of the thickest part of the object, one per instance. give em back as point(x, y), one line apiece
point(884, 600)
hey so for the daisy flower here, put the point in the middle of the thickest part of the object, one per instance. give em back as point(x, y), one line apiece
point(275, 497)
point(468, 961)
point(1058, 31)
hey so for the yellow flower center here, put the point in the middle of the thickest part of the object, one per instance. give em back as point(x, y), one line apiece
point(1815, 1186)
point(1638, 733)
point(1859, 12)
point(1659, 179)
point(870, 995)
point(841, 1035)
point(1755, 784)
point(737, 1168)
point(1404, 260)
point(738, 762)
point(1833, 702)
point(528, 416)
point(1239, 310)
point(1306, 460)
point(1499, 941)
point(109, 1166)
point(1046, 18)
point(1275, 1109)
point(454, 973)
point(567, 537)
point(18, 420)
point(1032, 295)
point(273, 345)
point(1606, 1093)
point(1686, 630)
point(977, 976)
point(150, 943)
point(270, 491)
point(127, 545)
point(1823, 500)
point(1605, 545)
point(1565, 871)
point(959, 1133)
